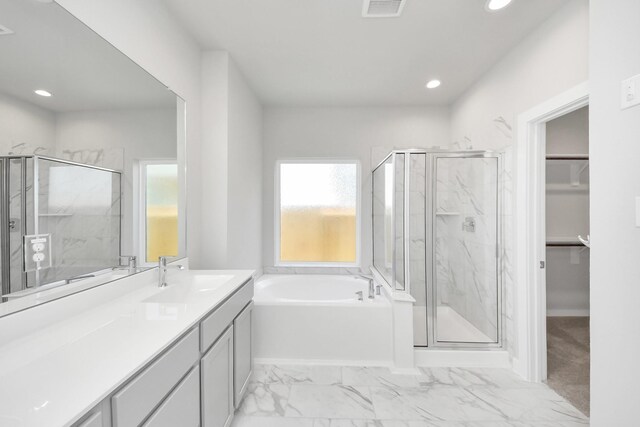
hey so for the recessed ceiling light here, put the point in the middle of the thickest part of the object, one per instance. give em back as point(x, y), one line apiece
point(497, 4)
point(42, 92)
point(433, 84)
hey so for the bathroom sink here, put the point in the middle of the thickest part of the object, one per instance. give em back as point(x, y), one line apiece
point(189, 288)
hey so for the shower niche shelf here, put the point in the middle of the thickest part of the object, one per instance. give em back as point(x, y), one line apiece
point(444, 213)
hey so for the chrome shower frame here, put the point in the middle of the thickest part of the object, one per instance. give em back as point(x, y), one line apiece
point(431, 156)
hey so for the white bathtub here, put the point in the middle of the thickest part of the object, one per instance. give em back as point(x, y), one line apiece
point(318, 319)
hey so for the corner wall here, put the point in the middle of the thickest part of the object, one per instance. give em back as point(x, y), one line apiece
point(231, 166)
point(615, 183)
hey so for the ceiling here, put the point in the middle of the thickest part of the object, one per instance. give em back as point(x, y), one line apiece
point(323, 52)
point(52, 50)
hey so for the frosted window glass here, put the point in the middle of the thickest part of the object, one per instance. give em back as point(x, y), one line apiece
point(318, 212)
point(161, 211)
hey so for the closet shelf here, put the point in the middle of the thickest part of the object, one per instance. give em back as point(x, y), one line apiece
point(567, 157)
point(568, 242)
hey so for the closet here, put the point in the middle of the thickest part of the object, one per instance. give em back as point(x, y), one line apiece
point(567, 256)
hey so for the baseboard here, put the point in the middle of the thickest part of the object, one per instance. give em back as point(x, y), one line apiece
point(322, 362)
point(568, 313)
point(462, 358)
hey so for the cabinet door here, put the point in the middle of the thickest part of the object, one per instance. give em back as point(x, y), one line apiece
point(181, 407)
point(217, 382)
point(243, 352)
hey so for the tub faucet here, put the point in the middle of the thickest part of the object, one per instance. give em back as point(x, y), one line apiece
point(162, 270)
point(372, 292)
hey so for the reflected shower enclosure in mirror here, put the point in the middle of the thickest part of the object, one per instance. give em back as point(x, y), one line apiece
point(91, 159)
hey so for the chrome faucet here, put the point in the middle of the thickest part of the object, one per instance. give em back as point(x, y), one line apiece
point(162, 270)
point(132, 263)
point(371, 287)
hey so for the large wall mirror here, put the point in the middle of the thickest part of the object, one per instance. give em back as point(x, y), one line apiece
point(91, 159)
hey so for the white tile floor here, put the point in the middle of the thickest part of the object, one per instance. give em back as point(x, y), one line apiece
point(328, 396)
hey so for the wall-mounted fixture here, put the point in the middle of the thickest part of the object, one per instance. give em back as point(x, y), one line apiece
point(382, 8)
point(42, 92)
point(493, 5)
point(432, 84)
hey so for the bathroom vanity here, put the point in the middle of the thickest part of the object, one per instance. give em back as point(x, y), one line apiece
point(174, 356)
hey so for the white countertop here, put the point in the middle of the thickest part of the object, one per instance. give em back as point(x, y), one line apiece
point(55, 375)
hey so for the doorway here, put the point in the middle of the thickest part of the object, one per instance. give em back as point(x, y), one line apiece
point(567, 256)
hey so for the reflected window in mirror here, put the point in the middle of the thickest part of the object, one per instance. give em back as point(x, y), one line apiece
point(159, 202)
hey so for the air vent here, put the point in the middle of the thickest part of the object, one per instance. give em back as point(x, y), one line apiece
point(382, 8)
point(4, 31)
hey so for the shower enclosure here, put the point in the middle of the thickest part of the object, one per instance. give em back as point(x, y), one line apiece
point(59, 220)
point(437, 236)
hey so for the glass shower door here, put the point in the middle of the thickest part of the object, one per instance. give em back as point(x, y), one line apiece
point(465, 218)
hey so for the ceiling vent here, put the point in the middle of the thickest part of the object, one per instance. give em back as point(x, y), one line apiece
point(4, 31)
point(382, 8)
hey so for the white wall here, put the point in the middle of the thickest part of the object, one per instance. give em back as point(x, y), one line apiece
point(615, 182)
point(245, 174)
point(549, 61)
point(146, 32)
point(25, 127)
point(347, 133)
point(232, 166)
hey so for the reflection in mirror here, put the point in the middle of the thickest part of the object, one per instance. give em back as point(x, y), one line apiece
point(89, 152)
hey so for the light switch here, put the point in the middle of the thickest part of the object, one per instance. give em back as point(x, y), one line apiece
point(630, 92)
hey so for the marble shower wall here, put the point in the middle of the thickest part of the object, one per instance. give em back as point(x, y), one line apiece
point(466, 262)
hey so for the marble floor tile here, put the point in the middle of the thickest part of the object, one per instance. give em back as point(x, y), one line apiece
point(436, 403)
point(541, 404)
point(399, 423)
point(298, 374)
point(265, 400)
point(474, 377)
point(376, 377)
point(379, 423)
point(333, 401)
point(328, 396)
point(250, 421)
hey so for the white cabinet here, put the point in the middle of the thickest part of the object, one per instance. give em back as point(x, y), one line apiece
point(217, 382)
point(199, 380)
point(182, 406)
point(136, 400)
point(94, 420)
point(242, 354)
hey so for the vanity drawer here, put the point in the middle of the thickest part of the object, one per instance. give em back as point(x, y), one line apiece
point(136, 400)
point(217, 322)
point(95, 420)
point(182, 406)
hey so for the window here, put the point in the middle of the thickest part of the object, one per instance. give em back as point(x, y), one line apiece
point(317, 213)
point(159, 210)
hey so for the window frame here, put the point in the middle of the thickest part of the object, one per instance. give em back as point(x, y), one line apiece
point(276, 220)
point(140, 208)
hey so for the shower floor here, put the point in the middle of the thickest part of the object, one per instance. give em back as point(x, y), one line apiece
point(452, 327)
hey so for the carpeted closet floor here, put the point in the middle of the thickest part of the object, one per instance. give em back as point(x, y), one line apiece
point(568, 359)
